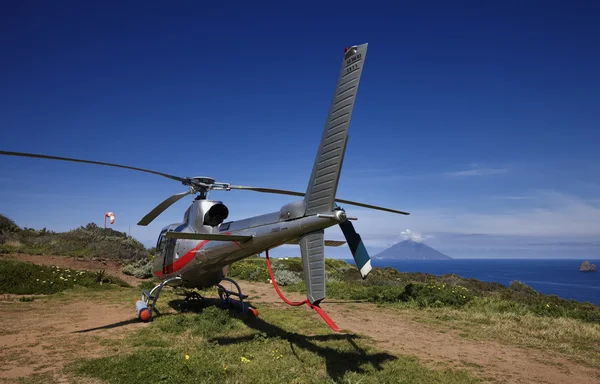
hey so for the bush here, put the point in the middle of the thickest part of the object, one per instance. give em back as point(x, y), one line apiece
point(436, 294)
point(7, 225)
point(253, 269)
point(522, 287)
point(142, 269)
point(284, 277)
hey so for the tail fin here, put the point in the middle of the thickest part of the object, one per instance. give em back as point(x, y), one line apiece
point(312, 250)
point(322, 187)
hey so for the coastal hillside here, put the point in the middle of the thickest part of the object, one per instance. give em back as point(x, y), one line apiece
point(88, 241)
point(414, 323)
point(411, 250)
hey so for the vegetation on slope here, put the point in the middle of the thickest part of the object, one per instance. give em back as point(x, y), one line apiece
point(24, 278)
point(90, 241)
point(388, 285)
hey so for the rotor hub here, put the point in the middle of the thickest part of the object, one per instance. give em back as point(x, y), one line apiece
point(203, 180)
point(203, 185)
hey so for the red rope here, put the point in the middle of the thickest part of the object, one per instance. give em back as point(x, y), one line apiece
point(319, 310)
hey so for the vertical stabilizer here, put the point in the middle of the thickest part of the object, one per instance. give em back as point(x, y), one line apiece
point(322, 187)
point(312, 248)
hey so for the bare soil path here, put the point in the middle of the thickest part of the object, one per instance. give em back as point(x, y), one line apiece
point(36, 340)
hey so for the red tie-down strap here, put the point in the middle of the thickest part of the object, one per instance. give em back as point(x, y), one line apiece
point(319, 310)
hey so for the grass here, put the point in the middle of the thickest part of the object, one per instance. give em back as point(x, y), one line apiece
point(23, 278)
point(577, 340)
point(218, 345)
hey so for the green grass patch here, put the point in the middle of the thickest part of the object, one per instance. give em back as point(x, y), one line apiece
point(25, 278)
point(218, 345)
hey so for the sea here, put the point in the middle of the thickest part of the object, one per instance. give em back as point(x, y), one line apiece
point(551, 276)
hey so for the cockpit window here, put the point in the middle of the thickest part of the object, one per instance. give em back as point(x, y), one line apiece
point(159, 241)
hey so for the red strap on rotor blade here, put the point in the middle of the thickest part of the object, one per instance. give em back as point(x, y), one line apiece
point(319, 310)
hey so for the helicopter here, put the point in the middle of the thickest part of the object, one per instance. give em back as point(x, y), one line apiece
point(198, 252)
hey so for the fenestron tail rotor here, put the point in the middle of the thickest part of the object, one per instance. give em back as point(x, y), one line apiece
point(198, 185)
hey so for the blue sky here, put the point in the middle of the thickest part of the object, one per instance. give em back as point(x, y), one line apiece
point(482, 120)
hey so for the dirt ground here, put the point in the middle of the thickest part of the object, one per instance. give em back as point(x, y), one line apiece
point(36, 340)
point(397, 333)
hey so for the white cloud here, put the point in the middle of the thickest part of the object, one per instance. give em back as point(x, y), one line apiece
point(407, 234)
point(551, 214)
point(523, 197)
point(477, 172)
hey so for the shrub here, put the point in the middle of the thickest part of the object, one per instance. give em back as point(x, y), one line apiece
point(7, 225)
point(250, 269)
point(518, 286)
point(284, 277)
point(436, 294)
point(142, 269)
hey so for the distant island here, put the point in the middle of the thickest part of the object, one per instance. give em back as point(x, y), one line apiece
point(411, 250)
point(586, 266)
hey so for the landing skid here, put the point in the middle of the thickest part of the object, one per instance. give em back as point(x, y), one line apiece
point(147, 305)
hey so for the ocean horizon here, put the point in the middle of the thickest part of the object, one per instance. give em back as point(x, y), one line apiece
point(559, 277)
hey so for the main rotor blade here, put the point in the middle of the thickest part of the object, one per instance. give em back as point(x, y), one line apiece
point(293, 193)
point(161, 207)
point(371, 206)
point(36, 155)
point(207, 236)
point(268, 190)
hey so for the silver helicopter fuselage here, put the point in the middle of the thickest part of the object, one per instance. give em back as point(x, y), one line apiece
point(203, 263)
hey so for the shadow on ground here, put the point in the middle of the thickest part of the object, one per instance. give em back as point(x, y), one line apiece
point(338, 362)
